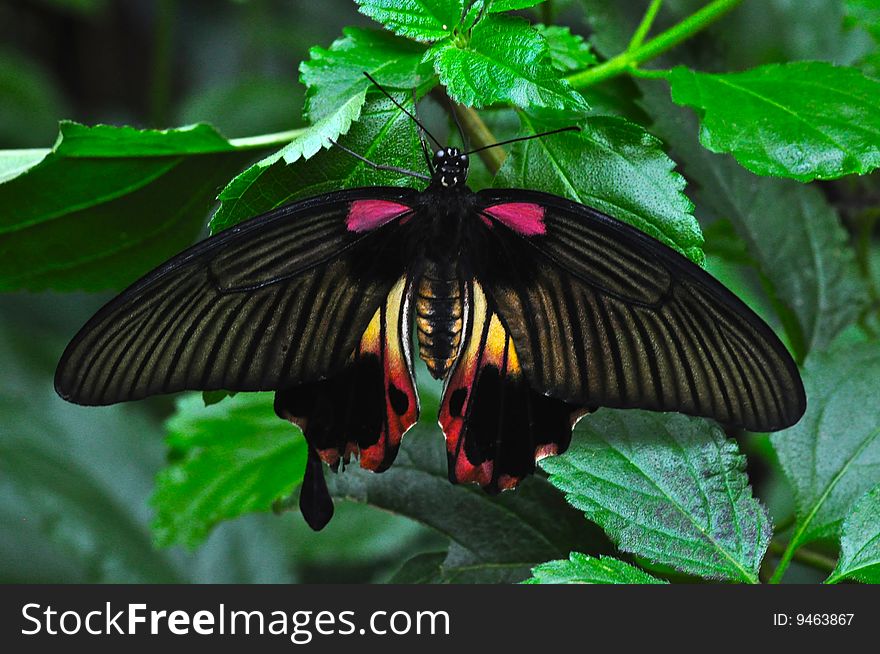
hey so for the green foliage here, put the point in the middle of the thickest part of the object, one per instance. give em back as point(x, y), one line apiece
point(803, 120)
point(860, 541)
point(567, 51)
point(85, 215)
point(383, 133)
point(229, 460)
point(421, 20)
point(793, 237)
point(336, 75)
point(832, 456)
point(492, 538)
point(505, 60)
point(107, 203)
point(613, 165)
point(583, 569)
point(669, 488)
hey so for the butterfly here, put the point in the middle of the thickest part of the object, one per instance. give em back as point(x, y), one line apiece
point(533, 309)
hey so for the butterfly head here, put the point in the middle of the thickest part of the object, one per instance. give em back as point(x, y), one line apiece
point(450, 167)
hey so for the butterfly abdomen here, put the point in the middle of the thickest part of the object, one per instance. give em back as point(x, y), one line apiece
point(439, 306)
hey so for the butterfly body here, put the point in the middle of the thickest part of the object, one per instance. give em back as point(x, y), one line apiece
point(533, 309)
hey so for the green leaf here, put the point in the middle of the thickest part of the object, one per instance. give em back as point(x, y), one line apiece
point(108, 203)
point(320, 135)
point(383, 133)
point(493, 538)
point(497, 6)
point(803, 120)
point(615, 166)
point(335, 76)
point(666, 487)
point(832, 456)
point(505, 60)
point(421, 20)
point(792, 234)
point(425, 568)
point(860, 542)
point(583, 569)
point(234, 458)
point(567, 51)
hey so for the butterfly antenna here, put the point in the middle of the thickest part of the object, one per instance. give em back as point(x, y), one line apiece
point(570, 128)
point(464, 139)
point(402, 108)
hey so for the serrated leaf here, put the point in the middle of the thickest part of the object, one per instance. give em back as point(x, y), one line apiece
point(615, 166)
point(583, 569)
point(236, 457)
point(567, 51)
point(322, 133)
point(493, 538)
point(335, 76)
point(497, 6)
point(792, 234)
point(420, 20)
point(108, 203)
point(666, 487)
point(383, 133)
point(832, 456)
point(802, 120)
point(860, 542)
point(505, 61)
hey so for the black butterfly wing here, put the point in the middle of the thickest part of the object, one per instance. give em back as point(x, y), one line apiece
point(280, 299)
point(603, 315)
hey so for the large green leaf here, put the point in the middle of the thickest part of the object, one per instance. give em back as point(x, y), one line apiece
point(231, 458)
point(421, 20)
point(335, 76)
point(505, 60)
point(860, 541)
point(803, 120)
point(666, 487)
point(832, 456)
point(794, 237)
point(106, 204)
point(615, 166)
point(383, 134)
point(583, 569)
point(493, 538)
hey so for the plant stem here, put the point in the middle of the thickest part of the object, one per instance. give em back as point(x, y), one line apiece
point(267, 140)
point(645, 26)
point(801, 555)
point(656, 46)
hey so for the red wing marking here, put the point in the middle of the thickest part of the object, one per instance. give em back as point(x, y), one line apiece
point(526, 218)
point(366, 215)
point(388, 338)
point(367, 408)
point(496, 425)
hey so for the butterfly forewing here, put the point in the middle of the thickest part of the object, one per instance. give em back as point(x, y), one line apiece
point(603, 315)
point(280, 299)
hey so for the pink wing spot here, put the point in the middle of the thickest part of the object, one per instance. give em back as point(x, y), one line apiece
point(523, 217)
point(365, 215)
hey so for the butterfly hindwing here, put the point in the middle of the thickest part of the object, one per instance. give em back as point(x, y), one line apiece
point(601, 314)
point(279, 299)
point(496, 424)
point(367, 407)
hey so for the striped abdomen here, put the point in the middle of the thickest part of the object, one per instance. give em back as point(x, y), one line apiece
point(439, 304)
